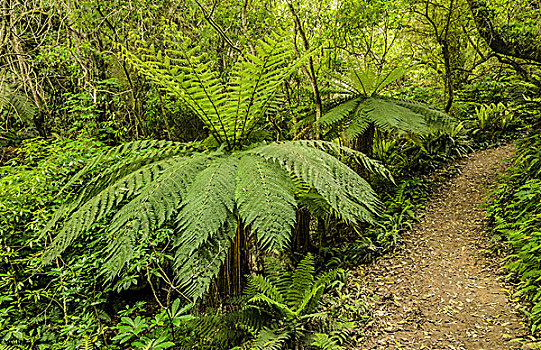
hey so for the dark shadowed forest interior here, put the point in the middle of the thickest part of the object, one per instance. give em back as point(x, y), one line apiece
point(273, 174)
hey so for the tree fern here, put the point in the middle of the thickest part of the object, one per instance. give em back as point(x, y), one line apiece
point(230, 110)
point(205, 194)
point(360, 104)
point(134, 189)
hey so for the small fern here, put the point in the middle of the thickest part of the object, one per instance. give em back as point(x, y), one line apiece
point(87, 344)
point(291, 298)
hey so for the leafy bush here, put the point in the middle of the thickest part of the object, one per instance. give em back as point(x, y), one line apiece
point(42, 306)
point(515, 212)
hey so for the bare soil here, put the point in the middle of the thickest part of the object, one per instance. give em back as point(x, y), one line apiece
point(440, 289)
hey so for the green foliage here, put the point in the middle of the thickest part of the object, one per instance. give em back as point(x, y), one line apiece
point(7, 347)
point(492, 120)
point(16, 116)
point(60, 305)
point(515, 213)
point(87, 344)
point(152, 183)
point(158, 332)
point(291, 301)
point(361, 105)
point(230, 110)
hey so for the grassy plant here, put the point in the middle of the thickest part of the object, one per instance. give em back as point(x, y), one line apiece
point(515, 211)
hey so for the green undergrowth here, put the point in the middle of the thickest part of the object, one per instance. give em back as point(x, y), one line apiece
point(514, 211)
point(420, 166)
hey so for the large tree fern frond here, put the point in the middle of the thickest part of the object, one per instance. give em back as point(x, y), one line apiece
point(435, 118)
point(154, 192)
point(84, 214)
point(371, 165)
point(347, 193)
point(266, 201)
point(384, 79)
point(230, 110)
point(120, 154)
point(208, 202)
point(196, 266)
point(206, 225)
point(157, 203)
point(338, 113)
point(387, 115)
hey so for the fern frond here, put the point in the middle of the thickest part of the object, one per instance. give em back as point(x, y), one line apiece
point(302, 280)
point(265, 200)
point(157, 203)
point(386, 78)
point(355, 128)
point(133, 172)
point(207, 203)
point(260, 284)
point(339, 112)
point(283, 309)
point(230, 110)
point(18, 103)
point(158, 187)
point(363, 106)
point(387, 115)
point(86, 344)
point(371, 165)
point(206, 225)
point(125, 155)
point(196, 266)
point(347, 193)
point(7, 347)
point(325, 342)
point(270, 340)
point(436, 119)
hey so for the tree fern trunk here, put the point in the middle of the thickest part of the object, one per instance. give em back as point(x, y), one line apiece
point(231, 279)
point(364, 143)
point(300, 242)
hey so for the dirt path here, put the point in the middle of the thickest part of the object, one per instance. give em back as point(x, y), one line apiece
point(439, 291)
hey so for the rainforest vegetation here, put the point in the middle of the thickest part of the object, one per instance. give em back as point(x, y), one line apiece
point(201, 174)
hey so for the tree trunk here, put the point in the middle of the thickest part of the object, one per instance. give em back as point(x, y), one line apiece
point(231, 279)
point(300, 241)
point(364, 143)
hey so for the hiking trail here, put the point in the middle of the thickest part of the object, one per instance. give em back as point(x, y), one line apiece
point(440, 289)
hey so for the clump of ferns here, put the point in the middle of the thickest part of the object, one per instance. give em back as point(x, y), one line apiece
point(290, 302)
point(208, 192)
point(282, 310)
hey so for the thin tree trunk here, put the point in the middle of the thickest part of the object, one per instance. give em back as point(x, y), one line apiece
point(231, 279)
point(364, 143)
